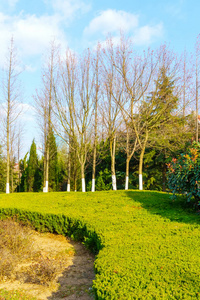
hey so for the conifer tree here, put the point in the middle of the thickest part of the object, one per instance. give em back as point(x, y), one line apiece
point(32, 168)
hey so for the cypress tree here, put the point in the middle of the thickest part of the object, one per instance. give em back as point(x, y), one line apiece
point(32, 169)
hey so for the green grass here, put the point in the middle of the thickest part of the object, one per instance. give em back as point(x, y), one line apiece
point(149, 246)
point(14, 295)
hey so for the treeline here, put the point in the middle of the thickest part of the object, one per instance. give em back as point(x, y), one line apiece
point(29, 177)
point(107, 117)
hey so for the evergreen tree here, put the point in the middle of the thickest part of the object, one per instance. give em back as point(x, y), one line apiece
point(168, 136)
point(32, 169)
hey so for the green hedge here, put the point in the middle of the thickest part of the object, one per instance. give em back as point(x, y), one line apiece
point(148, 247)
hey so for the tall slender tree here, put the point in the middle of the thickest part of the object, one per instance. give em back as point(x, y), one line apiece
point(44, 102)
point(96, 68)
point(112, 98)
point(11, 100)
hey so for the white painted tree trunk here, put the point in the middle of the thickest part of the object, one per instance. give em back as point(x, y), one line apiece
point(93, 185)
point(7, 188)
point(126, 183)
point(45, 189)
point(68, 187)
point(83, 185)
point(114, 184)
point(140, 182)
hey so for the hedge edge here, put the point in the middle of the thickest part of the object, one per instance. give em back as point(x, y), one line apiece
point(57, 224)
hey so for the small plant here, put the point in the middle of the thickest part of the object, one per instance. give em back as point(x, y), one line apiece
point(184, 174)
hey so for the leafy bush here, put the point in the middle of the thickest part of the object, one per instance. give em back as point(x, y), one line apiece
point(184, 173)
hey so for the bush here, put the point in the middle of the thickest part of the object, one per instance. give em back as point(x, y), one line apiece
point(184, 173)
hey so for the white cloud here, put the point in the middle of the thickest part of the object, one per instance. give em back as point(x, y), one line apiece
point(69, 8)
point(147, 34)
point(111, 21)
point(31, 34)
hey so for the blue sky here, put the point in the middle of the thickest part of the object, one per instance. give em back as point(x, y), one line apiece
point(79, 24)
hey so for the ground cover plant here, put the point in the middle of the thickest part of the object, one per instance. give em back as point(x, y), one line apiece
point(147, 245)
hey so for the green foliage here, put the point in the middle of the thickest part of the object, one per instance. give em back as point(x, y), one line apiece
point(104, 180)
point(184, 173)
point(32, 176)
point(148, 246)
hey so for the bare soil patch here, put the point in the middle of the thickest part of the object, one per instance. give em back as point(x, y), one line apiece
point(44, 265)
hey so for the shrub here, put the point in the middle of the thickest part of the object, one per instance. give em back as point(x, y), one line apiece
point(184, 173)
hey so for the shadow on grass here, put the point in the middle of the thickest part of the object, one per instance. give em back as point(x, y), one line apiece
point(161, 204)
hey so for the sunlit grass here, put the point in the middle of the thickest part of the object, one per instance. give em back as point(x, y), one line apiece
point(151, 245)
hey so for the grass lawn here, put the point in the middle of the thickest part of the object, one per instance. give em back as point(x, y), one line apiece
point(149, 246)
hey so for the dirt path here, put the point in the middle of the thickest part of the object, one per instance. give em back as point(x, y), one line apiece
point(75, 280)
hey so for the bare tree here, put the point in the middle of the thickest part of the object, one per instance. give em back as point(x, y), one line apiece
point(83, 113)
point(44, 102)
point(64, 110)
point(74, 106)
point(112, 98)
point(137, 74)
point(140, 74)
point(131, 147)
point(11, 101)
point(96, 67)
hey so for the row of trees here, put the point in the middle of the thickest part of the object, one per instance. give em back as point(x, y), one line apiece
point(133, 103)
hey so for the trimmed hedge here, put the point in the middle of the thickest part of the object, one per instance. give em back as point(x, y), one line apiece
point(147, 246)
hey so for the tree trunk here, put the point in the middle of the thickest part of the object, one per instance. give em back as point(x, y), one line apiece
point(47, 170)
point(112, 151)
point(141, 162)
point(69, 174)
point(8, 159)
point(94, 167)
point(83, 177)
point(140, 169)
point(127, 173)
